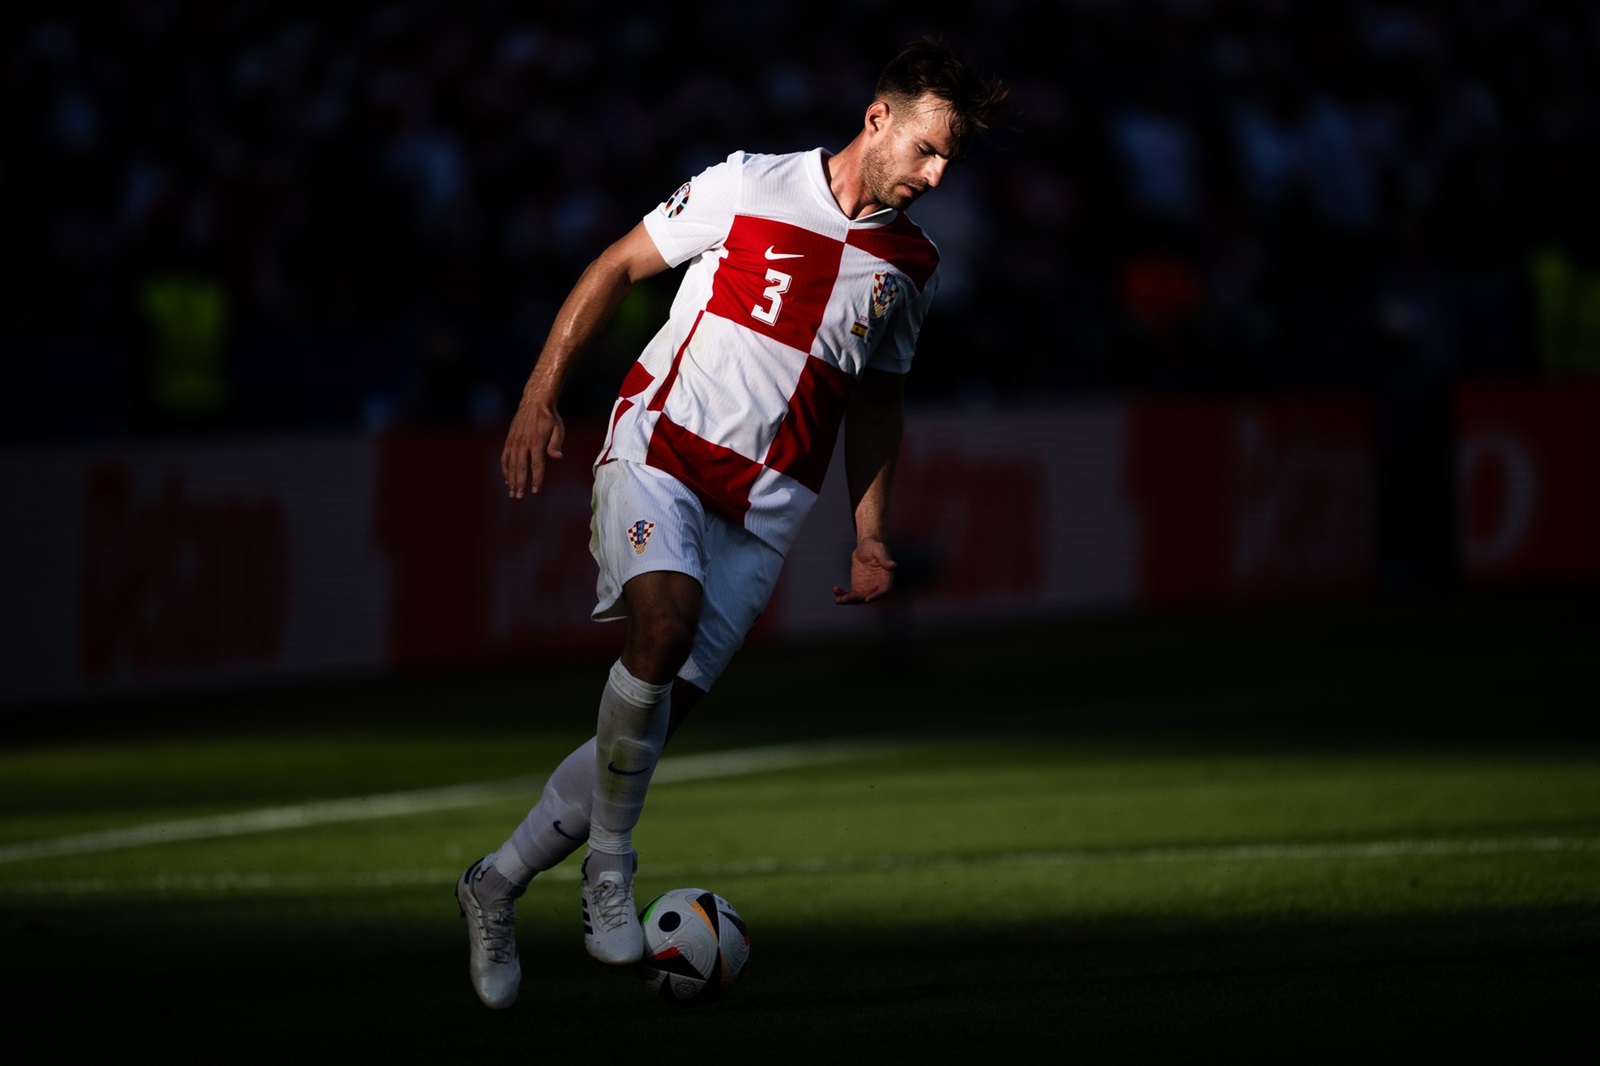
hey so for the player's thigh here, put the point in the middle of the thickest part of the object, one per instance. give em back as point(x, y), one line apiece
point(642, 522)
point(741, 575)
point(663, 617)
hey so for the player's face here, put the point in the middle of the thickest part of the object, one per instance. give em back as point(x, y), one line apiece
point(911, 156)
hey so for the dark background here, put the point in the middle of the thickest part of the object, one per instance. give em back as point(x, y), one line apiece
point(263, 217)
point(254, 216)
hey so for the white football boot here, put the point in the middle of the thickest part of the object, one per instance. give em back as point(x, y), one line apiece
point(491, 929)
point(611, 929)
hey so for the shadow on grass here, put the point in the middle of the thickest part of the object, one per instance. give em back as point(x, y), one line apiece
point(219, 983)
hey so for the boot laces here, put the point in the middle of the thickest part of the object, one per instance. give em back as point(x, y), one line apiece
point(496, 926)
point(613, 903)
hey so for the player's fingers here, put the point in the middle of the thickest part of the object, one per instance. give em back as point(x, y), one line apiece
point(535, 472)
point(513, 470)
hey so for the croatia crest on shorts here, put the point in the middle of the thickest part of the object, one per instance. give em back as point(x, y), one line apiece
point(639, 535)
point(885, 290)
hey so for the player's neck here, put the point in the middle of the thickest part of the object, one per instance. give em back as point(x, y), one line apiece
point(843, 171)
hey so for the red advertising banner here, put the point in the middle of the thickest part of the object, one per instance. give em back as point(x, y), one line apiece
point(995, 516)
point(226, 563)
point(1528, 480)
point(1252, 499)
point(176, 576)
point(188, 565)
point(476, 577)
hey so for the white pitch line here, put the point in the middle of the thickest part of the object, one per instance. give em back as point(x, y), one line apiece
point(423, 801)
point(834, 865)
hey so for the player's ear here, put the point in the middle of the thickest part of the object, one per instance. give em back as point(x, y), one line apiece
point(877, 117)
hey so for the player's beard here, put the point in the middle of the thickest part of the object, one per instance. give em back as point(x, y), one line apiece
point(877, 167)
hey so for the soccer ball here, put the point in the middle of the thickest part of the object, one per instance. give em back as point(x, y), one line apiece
point(695, 945)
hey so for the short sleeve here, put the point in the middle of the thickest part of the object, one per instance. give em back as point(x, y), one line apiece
point(698, 216)
point(895, 352)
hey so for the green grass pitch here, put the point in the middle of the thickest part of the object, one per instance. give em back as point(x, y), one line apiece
point(1365, 831)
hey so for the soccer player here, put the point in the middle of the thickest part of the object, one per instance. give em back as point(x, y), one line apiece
point(798, 315)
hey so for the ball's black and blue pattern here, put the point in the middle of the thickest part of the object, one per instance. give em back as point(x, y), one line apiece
point(696, 945)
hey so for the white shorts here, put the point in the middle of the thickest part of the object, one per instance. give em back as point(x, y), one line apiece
point(645, 520)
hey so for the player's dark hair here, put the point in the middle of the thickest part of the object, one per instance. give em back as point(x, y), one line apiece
point(928, 66)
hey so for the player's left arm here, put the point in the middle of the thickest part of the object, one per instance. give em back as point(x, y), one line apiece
point(873, 427)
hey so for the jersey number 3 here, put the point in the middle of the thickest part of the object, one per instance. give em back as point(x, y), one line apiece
point(774, 297)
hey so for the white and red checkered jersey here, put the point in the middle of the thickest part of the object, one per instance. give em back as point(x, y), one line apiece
point(742, 393)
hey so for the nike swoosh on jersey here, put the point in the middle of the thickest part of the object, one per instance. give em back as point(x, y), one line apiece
point(783, 255)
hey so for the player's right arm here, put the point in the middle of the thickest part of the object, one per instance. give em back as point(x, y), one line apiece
point(537, 431)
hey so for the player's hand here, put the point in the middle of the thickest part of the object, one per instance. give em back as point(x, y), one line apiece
point(871, 573)
point(537, 433)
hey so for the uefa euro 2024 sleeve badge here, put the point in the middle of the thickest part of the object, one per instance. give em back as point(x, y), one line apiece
point(639, 535)
point(676, 202)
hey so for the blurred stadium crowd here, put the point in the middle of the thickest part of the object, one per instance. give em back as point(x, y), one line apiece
point(263, 215)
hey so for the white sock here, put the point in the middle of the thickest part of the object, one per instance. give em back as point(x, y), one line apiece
point(632, 730)
point(557, 825)
point(492, 883)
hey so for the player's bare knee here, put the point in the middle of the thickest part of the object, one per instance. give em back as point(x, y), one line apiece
point(658, 645)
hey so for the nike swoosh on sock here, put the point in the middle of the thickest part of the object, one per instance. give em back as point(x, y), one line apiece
point(628, 773)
